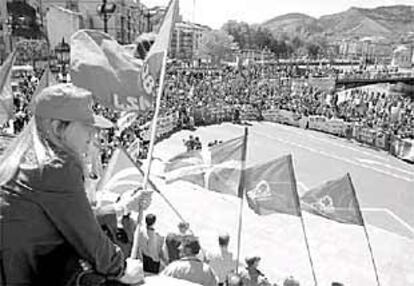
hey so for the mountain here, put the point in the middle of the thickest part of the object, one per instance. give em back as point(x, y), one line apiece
point(294, 23)
point(390, 22)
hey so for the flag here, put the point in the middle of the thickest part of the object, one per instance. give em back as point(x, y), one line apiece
point(153, 60)
point(6, 93)
point(101, 65)
point(121, 174)
point(198, 165)
point(61, 24)
point(271, 187)
point(335, 200)
point(188, 166)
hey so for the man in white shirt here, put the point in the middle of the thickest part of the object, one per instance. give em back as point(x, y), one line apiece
point(222, 262)
point(151, 246)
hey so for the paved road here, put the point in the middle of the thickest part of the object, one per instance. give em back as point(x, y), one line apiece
point(384, 184)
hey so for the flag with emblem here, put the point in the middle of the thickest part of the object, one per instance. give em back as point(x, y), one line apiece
point(121, 175)
point(335, 200)
point(115, 77)
point(6, 94)
point(199, 166)
point(271, 187)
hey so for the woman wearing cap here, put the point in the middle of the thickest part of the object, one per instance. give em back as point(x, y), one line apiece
point(45, 217)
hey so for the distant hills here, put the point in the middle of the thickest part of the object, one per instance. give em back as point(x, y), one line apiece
point(390, 22)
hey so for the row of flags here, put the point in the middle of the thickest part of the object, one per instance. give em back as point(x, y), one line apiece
point(268, 187)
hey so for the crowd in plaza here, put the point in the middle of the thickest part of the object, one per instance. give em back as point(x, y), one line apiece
point(189, 94)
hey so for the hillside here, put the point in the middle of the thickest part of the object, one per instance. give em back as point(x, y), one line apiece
point(390, 22)
point(295, 23)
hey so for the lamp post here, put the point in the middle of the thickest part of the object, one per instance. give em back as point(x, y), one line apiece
point(105, 10)
point(62, 52)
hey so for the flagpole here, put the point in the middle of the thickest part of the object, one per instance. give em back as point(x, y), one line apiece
point(154, 121)
point(374, 265)
point(134, 249)
point(241, 195)
point(155, 188)
point(302, 221)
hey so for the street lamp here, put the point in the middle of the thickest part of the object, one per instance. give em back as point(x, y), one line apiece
point(105, 10)
point(62, 52)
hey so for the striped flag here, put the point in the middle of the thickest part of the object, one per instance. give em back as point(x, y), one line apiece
point(6, 93)
point(121, 175)
point(335, 200)
point(199, 166)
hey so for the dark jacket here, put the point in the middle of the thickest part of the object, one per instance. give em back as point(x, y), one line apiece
point(47, 224)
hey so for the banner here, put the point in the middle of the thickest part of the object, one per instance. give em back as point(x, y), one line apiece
point(126, 120)
point(367, 135)
point(248, 113)
point(403, 149)
point(335, 126)
point(317, 122)
point(165, 124)
point(381, 140)
point(322, 83)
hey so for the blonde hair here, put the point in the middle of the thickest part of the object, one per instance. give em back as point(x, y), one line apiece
point(36, 146)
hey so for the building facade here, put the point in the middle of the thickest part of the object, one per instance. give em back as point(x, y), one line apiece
point(369, 49)
point(186, 39)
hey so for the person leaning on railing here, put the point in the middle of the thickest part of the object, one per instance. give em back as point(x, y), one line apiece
point(47, 224)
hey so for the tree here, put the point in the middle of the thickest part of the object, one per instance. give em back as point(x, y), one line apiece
point(241, 32)
point(215, 45)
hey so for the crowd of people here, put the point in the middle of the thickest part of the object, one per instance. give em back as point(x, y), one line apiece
point(180, 254)
point(188, 90)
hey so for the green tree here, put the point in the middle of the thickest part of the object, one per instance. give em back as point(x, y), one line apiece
point(215, 45)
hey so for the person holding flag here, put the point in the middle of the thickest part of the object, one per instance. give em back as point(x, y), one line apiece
point(47, 223)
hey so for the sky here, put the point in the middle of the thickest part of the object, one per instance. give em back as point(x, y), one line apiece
point(215, 13)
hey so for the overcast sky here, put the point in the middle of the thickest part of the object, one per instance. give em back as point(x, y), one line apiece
point(216, 12)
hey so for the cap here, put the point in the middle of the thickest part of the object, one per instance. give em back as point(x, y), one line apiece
point(250, 260)
point(68, 102)
point(191, 242)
